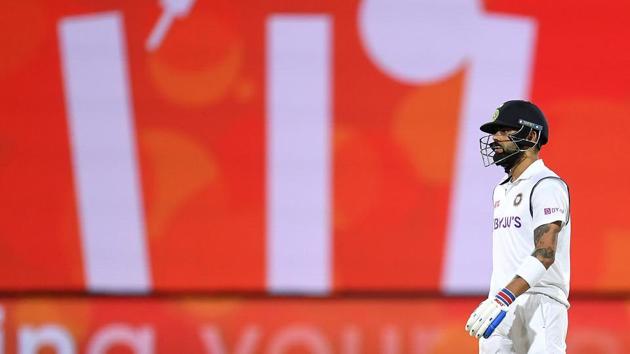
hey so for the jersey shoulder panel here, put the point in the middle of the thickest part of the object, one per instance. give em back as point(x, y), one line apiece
point(548, 195)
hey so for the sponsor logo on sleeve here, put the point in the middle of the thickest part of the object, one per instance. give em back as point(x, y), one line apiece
point(549, 211)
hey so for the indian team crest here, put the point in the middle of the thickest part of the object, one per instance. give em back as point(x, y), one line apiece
point(518, 199)
point(495, 115)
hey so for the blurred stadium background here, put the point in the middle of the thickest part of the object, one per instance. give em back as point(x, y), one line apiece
point(222, 176)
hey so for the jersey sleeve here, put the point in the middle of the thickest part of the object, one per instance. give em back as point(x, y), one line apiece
point(550, 202)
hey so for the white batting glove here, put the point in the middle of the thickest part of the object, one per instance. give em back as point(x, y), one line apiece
point(489, 314)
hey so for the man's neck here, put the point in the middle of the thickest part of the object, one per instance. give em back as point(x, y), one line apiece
point(521, 166)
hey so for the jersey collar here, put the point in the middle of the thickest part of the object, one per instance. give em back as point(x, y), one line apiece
point(531, 170)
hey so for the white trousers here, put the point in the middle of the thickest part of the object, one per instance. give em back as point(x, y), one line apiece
point(535, 323)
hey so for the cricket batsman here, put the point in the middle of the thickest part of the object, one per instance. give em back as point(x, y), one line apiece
point(526, 311)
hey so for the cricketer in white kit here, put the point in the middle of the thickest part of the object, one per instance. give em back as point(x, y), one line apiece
point(526, 311)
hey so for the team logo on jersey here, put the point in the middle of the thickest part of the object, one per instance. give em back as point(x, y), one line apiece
point(518, 199)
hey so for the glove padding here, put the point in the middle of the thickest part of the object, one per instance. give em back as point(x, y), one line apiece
point(486, 318)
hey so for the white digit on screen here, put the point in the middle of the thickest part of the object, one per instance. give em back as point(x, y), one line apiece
point(298, 153)
point(103, 145)
point(171, 9)
point(425, 41)
point(495, 75)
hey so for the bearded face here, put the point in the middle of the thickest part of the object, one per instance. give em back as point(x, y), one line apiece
point(506, 153)
point(503, 149)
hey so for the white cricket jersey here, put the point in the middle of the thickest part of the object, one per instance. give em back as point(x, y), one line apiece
point(537, 197)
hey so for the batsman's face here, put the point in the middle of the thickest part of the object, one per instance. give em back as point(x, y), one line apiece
point(502, 143)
